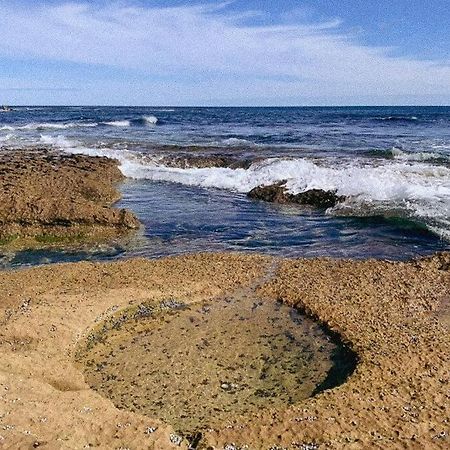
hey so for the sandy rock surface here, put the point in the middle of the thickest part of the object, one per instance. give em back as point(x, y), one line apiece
point(46, 195)
point(394, 316)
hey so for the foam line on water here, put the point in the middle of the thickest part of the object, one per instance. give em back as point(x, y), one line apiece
point(118, 123)
point(48, 125)
point(419, 189)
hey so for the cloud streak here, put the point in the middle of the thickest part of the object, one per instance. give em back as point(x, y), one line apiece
point(192, 43)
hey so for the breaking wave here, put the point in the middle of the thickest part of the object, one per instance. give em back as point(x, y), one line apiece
point(150, 120)
point(399, 118)
point(145, 120)
point(404, 188)
point(419, 191)
point(48, 126)
point(7, 137)
point(118, 123)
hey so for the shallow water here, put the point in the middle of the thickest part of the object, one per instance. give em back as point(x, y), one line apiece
point(199, 366)
point(180, 219)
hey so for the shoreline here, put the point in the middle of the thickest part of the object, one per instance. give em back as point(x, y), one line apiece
point(393, 315)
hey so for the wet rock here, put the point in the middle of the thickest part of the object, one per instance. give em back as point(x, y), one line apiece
point(276, 193)
point(205, 161)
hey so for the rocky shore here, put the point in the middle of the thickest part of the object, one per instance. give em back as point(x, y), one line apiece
point(47, 198)
point(394, 316)
point(277, 193)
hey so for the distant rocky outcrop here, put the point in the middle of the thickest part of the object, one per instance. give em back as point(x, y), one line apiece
point(277, 193)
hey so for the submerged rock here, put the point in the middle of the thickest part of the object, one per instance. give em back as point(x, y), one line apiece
point(276, 193)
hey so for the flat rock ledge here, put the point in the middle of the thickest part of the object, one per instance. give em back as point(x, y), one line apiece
point(48, 198)
point(393, 315)
point(277, 193)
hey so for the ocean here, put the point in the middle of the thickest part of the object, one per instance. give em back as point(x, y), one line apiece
point(189, 169)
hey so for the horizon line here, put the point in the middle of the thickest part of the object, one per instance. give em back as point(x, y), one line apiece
point(226, 106)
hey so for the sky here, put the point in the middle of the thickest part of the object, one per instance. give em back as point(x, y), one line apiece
point(225, 53)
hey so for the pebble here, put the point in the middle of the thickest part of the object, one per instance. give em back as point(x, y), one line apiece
point(175, 439)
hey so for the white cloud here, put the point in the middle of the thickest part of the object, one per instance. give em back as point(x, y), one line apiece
point(319, 60)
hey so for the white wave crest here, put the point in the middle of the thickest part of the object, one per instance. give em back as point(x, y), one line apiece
point(235, 142)
point(150, 120)
point(75, 147)
point(390, 180)
point(47, 126)
point(418, 189)
point(118, 123)
point(399, 181)
point(7, 137)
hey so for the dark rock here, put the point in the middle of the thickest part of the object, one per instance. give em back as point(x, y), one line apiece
point(318, 198)
point(187, 161)
point(276, 193)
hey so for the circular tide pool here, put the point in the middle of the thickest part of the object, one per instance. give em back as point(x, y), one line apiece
point(199, 366)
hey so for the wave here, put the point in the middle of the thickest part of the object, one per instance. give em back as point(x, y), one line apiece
point(407, 189)
point(399, 118)
point(150, 120)
point(49, 126)
point(7, 137)
point(118, 123)
point(144, 120)
point(72, 146)
point(234, 142)
point(419, 191)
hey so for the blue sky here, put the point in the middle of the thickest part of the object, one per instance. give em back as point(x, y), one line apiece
point(254, 52)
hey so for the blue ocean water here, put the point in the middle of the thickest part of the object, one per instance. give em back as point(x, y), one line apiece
point(189, 169)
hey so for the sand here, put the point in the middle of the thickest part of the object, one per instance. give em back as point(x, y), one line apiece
point(393, 315)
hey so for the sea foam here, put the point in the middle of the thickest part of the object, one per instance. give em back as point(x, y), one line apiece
point(48, 126)
point(413, 189)
point(118, 123)
point(150, 120)
point(235, 142)
point(7, 137)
